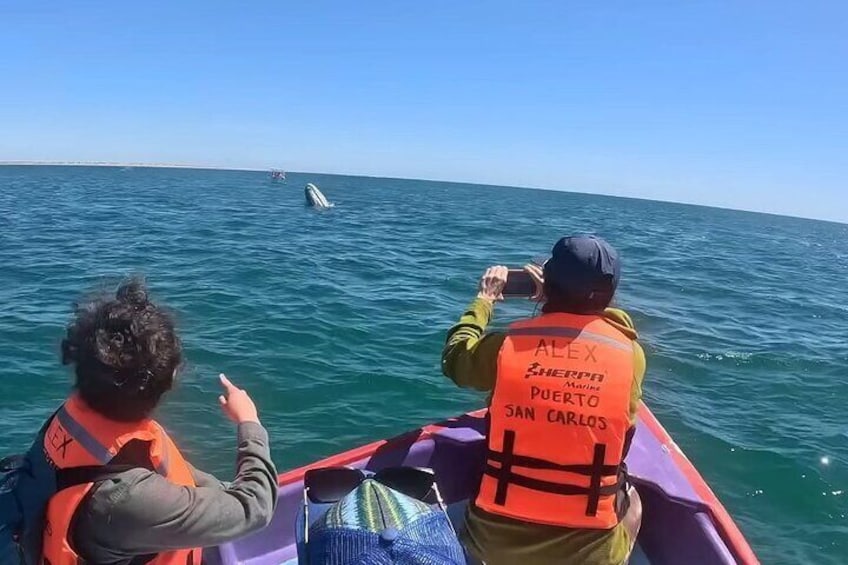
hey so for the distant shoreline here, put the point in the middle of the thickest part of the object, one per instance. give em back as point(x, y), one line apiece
point(133, 165)
point(268, 169)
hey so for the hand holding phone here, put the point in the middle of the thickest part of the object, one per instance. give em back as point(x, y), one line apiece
point(500, 282)
point(492, 283)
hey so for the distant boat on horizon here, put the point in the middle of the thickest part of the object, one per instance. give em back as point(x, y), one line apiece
point(277, 174)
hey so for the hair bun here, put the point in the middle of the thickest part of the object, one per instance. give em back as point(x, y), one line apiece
point(132, 292)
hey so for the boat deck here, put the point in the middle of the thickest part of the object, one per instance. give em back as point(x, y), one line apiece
point(674, 496)
point(456, 512)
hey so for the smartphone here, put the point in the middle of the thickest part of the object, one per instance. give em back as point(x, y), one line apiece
point(519, 283)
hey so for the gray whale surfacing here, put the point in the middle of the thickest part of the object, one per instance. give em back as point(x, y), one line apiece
point(315, 197)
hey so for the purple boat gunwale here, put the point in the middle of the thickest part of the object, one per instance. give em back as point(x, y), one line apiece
point(680, 481)
point(725, 524)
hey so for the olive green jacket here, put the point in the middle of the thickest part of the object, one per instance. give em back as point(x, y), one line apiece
point(470, 359)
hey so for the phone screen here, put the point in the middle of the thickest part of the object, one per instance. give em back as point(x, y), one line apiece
point(519, 283)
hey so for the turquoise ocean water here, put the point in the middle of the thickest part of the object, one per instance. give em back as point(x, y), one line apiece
point(335, 320)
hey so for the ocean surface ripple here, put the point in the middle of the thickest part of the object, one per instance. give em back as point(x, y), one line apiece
point(335, 320)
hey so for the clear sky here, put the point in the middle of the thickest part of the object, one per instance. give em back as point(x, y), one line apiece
point(737, 104)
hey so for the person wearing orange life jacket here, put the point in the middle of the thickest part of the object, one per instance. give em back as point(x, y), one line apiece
point(565, 389)
point(124, 491)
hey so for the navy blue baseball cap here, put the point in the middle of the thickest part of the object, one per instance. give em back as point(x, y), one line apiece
point(583, 265)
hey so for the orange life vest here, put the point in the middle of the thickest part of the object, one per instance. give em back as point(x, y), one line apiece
point(77, 436)
point(559, 419)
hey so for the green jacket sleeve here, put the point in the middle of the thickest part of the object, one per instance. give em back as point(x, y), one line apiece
point(622, 320)
point(470, 356)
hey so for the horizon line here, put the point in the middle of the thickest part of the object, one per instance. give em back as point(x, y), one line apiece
point(141, 165)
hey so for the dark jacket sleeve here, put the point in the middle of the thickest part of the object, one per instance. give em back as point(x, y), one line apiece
point(142, 513)
point(203, 479)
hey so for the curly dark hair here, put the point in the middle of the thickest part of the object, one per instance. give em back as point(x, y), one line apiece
point(126, 353)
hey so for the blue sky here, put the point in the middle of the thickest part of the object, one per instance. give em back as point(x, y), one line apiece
point(737, 104)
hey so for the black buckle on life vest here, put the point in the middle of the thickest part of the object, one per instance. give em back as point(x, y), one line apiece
point(506, 476)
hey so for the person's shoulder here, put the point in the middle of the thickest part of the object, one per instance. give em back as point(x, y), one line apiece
point(622, 321)
point(126, 488)
point(132, 500)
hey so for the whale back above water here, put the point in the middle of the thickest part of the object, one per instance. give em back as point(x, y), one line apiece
point(315, 197)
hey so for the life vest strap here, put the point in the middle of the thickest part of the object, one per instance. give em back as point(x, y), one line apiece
point(536, 463)
point(90, 443)
point(573, 333)
point(563, 489)
point(505, 475)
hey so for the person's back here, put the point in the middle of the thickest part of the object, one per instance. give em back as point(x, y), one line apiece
point(565, 389)
point(125, 492)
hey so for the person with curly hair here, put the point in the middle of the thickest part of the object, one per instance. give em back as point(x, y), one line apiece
point(123, 491)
